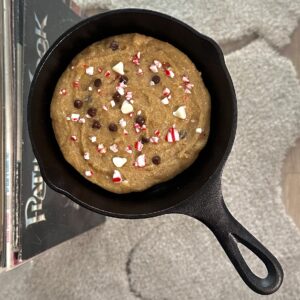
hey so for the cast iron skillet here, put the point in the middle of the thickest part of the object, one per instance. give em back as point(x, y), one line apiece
point(197, 191)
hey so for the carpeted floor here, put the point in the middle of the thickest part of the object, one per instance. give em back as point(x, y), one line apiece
point(176, 257)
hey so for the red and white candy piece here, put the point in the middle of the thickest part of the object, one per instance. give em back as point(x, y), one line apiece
point(157, 132)
point(128, 95)
point(172, 135)
point(101, 148)
point(119, 68)
point(88, 173)
point(157, 63)
point(114, 148)
point(153, 68)
point(126, 107)
point(136, 58)
point(81, 120)
point(140, 71)
point(125, 132)
point(107, 74)
point(104, 107)
point(117, 177)
point(140, 161)
point(93, 138)
point(137, 127)
point(166, 92)
point(169, 73)
point(75, 117)
point(76, 84)
point(86, 155)
point(180, 113)
point(63, 92)
point(99, 69)
point(138, 145)
point(154, 139)
point(89, 70)
point(128, 149)
point(74, 138)
point(119, 162)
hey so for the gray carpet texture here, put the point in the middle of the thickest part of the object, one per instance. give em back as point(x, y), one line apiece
point(176, 257)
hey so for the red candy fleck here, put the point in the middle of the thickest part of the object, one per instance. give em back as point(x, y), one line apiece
point(169, 73)
point(157, 132)
point(137, 127)
point(99, 69)
point(136, 58)
point(107, 74)
point(63, 92)
point(76, 84)
point(125, 132)
point(138, 146)
point(74, 138)
point(128, 149)
point(172, 135)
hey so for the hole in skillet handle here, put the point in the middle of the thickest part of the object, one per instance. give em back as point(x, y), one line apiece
point(209, 208)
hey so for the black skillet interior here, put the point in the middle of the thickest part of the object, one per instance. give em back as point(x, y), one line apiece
point(197, 191)
point(203, 52)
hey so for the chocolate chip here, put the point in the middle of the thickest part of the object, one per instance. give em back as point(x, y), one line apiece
point(117, 97)
point(156, 79)
point(140, 120)
point(156, 160)
point(97, 82)
point(123, 78)
point(182, 134)
point(92, 111)
point(96, 125)
point(145, 140)
point(112, 127)
point(78, 103)
point(114, 46)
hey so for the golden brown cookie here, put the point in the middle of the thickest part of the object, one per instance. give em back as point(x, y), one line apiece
point(129, 112)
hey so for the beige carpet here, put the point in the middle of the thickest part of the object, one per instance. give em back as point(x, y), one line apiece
point(176, 257)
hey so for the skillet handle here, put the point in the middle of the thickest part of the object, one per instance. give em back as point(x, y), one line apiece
point(229, 233)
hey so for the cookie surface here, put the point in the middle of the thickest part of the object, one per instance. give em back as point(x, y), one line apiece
point(129, 112)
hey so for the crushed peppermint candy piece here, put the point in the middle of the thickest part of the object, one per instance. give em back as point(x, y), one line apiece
point(81, 120)
point(139, 112)
point(86, 155)
point(93, 139)
point(112, 103)
point(172, 135)
point(185, 79)
point(90, 88)
point(120, 90)
point(140, 71)
point(187, 91)
point(189, 86)
point(165, 101)
point(75, 117)
point(136, 58)
point(63, 92)
point(68, 118)
point(151, 82)
point(140, 161)
point(154, 139)
point(119, 162)
point(89, 70)
point(166, 92)
point(199, 130)
point(75, 84)
point(138, 145)
point(122, 123)
point(153, 68)
point(107, 74)
point(88, 173)
point(144, 127)
point(125, 132)
point(101, 148)
point(114, 148)
point(74, 138)
point(105, 107)
point(126, 107)
point(180, 113)
point(157, 132)
point(117, 177)
point(157, 63)
point(119, 68)
point(128, 95)
point(131, 114)
point(169, 73)
point(128, 149)
point(99, 91)
point(137, 127)
point(99, 69)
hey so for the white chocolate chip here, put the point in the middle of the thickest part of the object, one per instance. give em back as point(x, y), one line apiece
point(153, 68)
point(88, 173)
point(89, 70)
point(119, 162)
point(122, 123)
point(112, 103)
point(180, 113)
point(126, 108)
point(199, 130)
point(119, 68)
point(165, 101)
